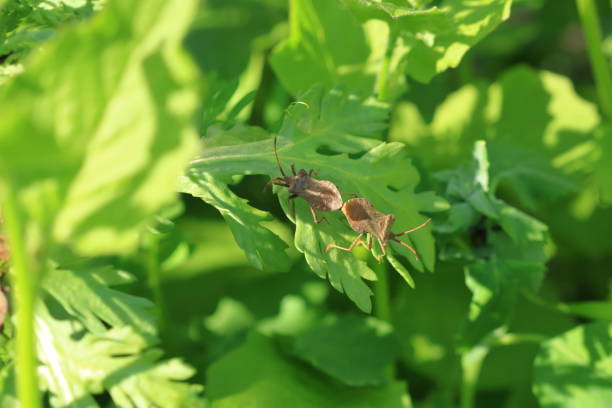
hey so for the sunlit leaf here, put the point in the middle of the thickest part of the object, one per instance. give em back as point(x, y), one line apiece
point(434, 39)
point(540, 151)
point(495, 288)
point(575, 368)
point(401, 18)
point(85, 294)
point(326, 38)
point(383, 174)
point(505, 248)
point(91, 143)
point(76, 366)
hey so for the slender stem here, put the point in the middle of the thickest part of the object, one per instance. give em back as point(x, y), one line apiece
point(25, 283)
point(382, 82)
point(154, 279)
point(381, 302)
point(589, 19)
point(381, 293)
point(471, 363)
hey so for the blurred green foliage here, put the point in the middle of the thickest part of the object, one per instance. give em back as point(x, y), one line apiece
point(483, 115)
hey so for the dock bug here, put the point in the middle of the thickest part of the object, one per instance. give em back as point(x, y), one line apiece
point(364, 219)
point(322, 195)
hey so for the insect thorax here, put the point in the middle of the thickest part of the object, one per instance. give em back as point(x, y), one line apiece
point(385, 224)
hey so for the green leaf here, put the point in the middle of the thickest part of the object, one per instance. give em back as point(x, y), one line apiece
point(574, 369)
point(8, 394)
point(262, 377)
point(539, 151)
point(433, 51)
point(435, 39)
point(520, 236)
point(242, 26)
point(325, 38)
point(401, 18)
point(495, 287)
point(147, 382)
point(551, 137)
point(85, 294)
point(263, 248)
point(383, 174)
point(428, 345)
point(96, 130)
point(460, 217)
point(24, 25)
point(505, 248)
point(397, 265)
point(423, 42)
point(353, 350)
point(75, 366)
point(447, 140)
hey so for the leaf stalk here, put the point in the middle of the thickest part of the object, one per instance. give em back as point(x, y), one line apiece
point(25, 283)
point(589, 20)
point(154, 280)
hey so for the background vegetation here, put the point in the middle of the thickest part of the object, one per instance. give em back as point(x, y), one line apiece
point(490, 116)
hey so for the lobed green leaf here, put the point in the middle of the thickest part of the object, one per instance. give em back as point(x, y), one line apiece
point(384, 175)
point(85, 294)
point(91, 143)
point(262, 247)
point(575, 368)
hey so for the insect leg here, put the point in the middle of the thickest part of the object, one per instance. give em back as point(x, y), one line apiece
point(316, 218)
point(350, 247)
point(277, 181)
point(382, 247)
point(292, 196)
point(407, 246)
point(413, 229)
point(369, 246)
point(293, 169)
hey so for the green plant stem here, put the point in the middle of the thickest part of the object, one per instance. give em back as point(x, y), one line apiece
point(381, 302)
point(154, 280)
point(381, 293)
point(471, 363)
point(589, 19)
point(382, 82)
point(25, 283)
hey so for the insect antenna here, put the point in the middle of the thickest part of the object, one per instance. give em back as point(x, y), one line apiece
point(277, 160)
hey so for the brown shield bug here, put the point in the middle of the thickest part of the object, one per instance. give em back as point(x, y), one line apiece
point(364, 219)
point(322, 195)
